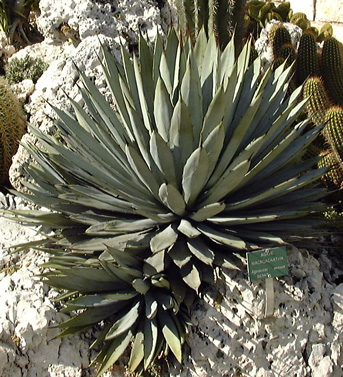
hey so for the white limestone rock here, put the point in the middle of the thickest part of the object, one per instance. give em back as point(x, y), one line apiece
point(6, 50)
point(263, 45)
point(53, 88)
point(28, 343)
point(23, 89)
point(91, 17)
point(231, 336)
point(96, 22)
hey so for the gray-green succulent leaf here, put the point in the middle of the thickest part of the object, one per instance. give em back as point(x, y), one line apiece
point(198, 160)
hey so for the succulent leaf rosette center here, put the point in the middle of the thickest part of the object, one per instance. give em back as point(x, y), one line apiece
point(200, 162)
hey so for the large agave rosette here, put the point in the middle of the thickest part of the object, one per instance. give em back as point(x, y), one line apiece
point(199, 162)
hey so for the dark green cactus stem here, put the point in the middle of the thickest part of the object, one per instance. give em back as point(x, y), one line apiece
point(333, 179)
point(287, 51)
point(12, 128)
point(219, 20)
point(279, 36)
point(318, 102)
point(197, 15)
point(238, 23)
point(333, 131)
point(307, 62)
point(186, 17)
point(220, 17)
point(332, 66)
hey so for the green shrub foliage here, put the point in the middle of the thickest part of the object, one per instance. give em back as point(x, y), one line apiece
point(18, 70)
point(199, 163)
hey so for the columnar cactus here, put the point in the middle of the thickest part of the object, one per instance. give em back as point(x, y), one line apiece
point(307, 60)
point(332, 63)
point(287, 51)
point(12, 128)
point(323, 86)
point(218, 16)
point(318, 102)
point(279, 36)
point(333, 130)
point(334, 177)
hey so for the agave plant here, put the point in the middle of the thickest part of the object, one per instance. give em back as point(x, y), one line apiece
point(199, 162)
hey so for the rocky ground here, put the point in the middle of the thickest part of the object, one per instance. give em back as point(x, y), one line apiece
point(230, 337)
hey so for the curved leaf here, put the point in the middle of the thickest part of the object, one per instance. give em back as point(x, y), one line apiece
point(172, 199)
point(200, 250)
point(164, 239)
point(137, 352)
point(194, 175)
point(116, 349)
point(150, 341)
point(124, 323)
point(171, 334)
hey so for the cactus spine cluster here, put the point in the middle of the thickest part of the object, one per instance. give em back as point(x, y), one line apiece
point(12, 128)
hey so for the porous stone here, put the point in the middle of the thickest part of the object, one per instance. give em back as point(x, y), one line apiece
point(231, 336)
point(6, 49)
point(96, 22)
point(23, 89)
point(263, 45)
point(90, 18)
point(29, 346)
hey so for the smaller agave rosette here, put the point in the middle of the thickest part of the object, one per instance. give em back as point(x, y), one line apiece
point(200, 162)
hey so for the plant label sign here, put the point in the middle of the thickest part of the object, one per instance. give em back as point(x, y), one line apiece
point(267, 263)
